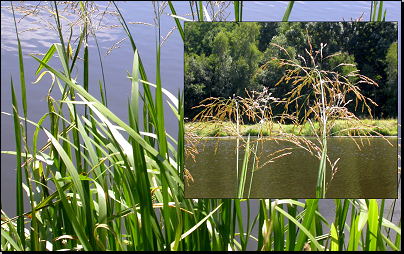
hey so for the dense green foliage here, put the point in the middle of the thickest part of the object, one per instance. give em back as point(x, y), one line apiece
point(386, 127)
point(222, 58)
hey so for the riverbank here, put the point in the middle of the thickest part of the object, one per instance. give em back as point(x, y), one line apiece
point(388, 127)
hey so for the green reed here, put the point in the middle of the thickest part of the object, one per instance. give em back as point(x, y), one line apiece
point(327, 91)
point(92, 189)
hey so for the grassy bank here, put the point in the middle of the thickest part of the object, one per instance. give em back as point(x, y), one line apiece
point(387, 127)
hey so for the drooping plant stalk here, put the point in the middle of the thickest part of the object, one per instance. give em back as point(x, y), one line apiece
point(320, 185)
point(237, 147)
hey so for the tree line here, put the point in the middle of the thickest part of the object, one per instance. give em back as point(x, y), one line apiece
point(221, 58)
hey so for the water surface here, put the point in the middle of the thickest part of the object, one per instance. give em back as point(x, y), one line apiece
point(370, 172)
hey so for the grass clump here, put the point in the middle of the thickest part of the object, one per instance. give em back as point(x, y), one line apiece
point(386, 127)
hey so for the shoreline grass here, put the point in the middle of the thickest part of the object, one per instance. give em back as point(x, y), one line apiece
point(389, 127)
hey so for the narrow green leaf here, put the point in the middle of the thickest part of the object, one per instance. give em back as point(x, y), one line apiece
point(354, 234)
point(334, 238)
point(236, 11)
point(288, 11)
point(69, 166)
point(166, 92)
point(379, 15)
point(373, 218)
point(311, 206)
point(180, 29)
point(374, 11)
point(114, 118)
point(398, 236)
point(200, 11)
point(11, 240)
point(244, 169)
point(19, 193)
point(72, 217)
point(46, 58)
point(135, 87)
point(302, 227)
point(198, 224)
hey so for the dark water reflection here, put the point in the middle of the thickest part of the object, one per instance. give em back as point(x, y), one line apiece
point(367, 173)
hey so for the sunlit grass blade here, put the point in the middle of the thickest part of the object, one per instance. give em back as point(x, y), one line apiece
point(200, 11)
point(198, 224)
point(11, 241)
point(278, 238)
point(291, 233)
point(398, 236)
point(311, 206)
point(19, 192)
point(379, 15)
point(180, 29)
point(72, 216)
point(288, 11)
point(371, 241)
point(305, 232)
point(334, 238)
point(354, 233)
point(244, 169)
point(46, 58)
point(109, 114)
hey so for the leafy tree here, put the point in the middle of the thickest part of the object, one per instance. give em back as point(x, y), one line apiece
point(335, 61)
point(196, 80)
point(233, 53)
point(391, 87)
point(267, 31)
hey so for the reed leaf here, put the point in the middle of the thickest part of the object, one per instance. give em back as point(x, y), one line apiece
point(288, 11)
point(72, 215)
point(244, 169)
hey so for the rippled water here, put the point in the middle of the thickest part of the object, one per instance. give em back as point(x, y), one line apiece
point(367, 173)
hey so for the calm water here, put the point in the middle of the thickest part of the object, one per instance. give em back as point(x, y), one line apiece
point(367, 173)
point(118, 61)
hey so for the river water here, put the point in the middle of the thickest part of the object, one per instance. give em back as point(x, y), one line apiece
point(370, 172)
point(119, 61)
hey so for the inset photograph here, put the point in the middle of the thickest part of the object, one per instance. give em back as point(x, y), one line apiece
point(291, 110)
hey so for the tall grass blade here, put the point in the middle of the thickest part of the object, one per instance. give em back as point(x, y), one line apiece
point(371, 241)
point(19, 192)
point(71, 214)
point(200, 11)
point(180, 29)
point(311, 206)
point(11, 240)
point(206, 14)
point(109, 114)
point(334, 238)
point(46, 58)
point(199, 223)
point(237, 11)
point(288, 11)
point(379, 15)
point(244, 169)
point(305, 232)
